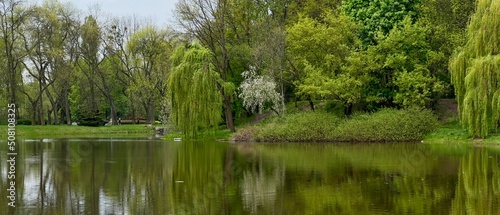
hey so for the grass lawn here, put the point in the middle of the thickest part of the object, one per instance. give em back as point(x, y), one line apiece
point(56, 131)
point(452, 132)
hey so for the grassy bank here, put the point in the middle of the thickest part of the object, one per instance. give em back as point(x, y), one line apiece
point(387, 125)
point(452, 132)
point(38, 131)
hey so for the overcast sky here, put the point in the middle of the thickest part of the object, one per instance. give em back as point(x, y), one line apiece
point(159, 11)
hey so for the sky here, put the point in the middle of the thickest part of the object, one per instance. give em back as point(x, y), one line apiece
point(159, 11)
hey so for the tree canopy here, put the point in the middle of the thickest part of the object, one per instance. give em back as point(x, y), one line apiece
point(61, 65)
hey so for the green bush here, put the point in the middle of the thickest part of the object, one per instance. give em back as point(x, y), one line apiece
point(91, 121)
point(309, 126)
point(386, 125)
point(24, 122)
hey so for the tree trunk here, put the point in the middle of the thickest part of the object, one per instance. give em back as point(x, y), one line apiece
point(348, 109)
point(56, 115)
point(150, 112)
point(311, 104)
point(66, 107)
point(114, 115)
point(133, 113)
point(54, 108)
point(12, 88)
point(93, 103)
point(33, 114)
point(41, 117)
point(49, 117)
point(228, 114)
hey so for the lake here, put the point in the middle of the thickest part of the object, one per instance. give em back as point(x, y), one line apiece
point(151, 176)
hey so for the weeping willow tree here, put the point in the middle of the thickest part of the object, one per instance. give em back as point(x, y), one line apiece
point(193, 85)
point(475, 71)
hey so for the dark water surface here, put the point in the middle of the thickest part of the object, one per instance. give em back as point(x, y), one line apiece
point(141, 176)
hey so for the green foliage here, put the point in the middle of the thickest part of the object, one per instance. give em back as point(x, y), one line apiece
point(335, 108)
point(24, 122)
point(446, 21)
point(195, 98)
point(416, 88)
point(322, 44)
point(378, 16)
point(358, 54)
point(451, 15)
point(309, 8)
point(398, 69)
point(475, 71)
point(92, 121)
point(91, 38)
point(320, 49)
point(387, 125)
point(300, 127)
point(149, 50)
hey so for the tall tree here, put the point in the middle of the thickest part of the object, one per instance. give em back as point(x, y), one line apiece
point(475, 70)
point(446, 22)
point(90, 60)
point(398, 69)
point(206, 20)
point(64, 58)
point(149, 49)
point(13, 15)
point(319, 50)
point(118, 35)
point(41, 38)
point(195, 97)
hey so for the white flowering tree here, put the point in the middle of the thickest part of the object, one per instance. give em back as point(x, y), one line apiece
point(259, 92)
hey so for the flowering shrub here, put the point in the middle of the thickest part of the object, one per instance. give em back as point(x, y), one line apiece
point(259, 92)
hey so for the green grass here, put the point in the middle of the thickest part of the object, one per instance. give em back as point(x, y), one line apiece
point(49, 131)
point(452, 132)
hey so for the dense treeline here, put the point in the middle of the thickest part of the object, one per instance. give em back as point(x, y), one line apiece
point(60, 66)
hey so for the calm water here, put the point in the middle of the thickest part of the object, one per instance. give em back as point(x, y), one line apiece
point(126, 176)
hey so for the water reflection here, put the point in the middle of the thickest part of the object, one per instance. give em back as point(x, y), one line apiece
point(478, 188)
point(106, 176)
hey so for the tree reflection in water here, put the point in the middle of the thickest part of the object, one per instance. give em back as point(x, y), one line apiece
point(478, 187)
point(92, 176)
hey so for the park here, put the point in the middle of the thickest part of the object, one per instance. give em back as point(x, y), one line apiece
point(251, 107)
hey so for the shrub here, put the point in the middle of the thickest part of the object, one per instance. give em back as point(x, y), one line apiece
point(91, 121)
point(386, 125)
point(24, 122)
point(244, 135)
point(309, 126)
